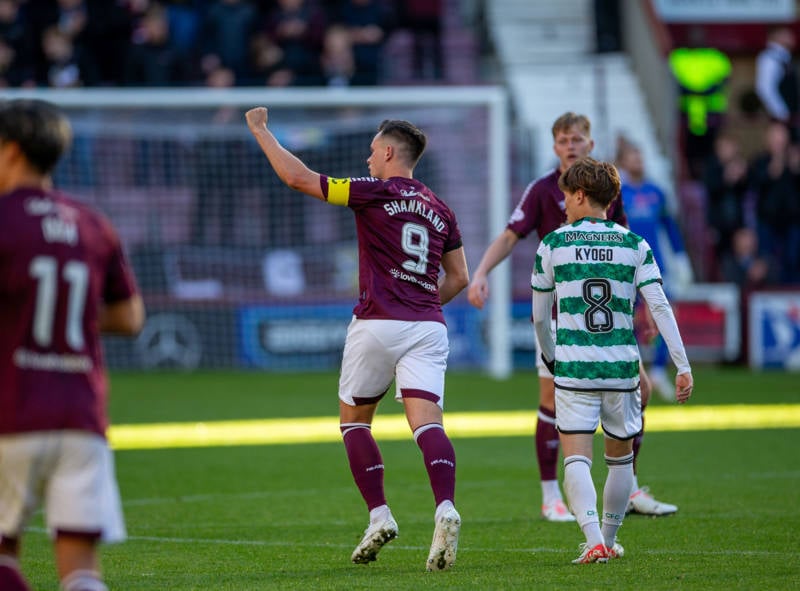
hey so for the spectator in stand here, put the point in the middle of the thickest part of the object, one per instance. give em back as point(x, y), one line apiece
point(423, 19)
point(72, 17)
point(368, 22)
point(184, 17)
point(297, 28)
point(744, 266)
point(69, 18)
point(648, 216)
point(268, 62)
point(775, 175)
point(703, 75)
point(107, 39)
point(16, 67)
point(726, 182)
point(776, 79)
point(152, 60)
point(228, 28)
point(338, 62)
point(63, 70)
point(7, 66)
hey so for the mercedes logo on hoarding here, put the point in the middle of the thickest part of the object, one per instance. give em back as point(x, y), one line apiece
point(170, 340)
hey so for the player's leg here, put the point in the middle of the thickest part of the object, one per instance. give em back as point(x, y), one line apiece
point(11, 578)
point(367, 372)
point(363, 454)
point(77, 563)
point(641, 501)
point(619, 459)
point(366, 466)
point(547, 444)
point(425, 420)
point(420, 386)
point(20, 476)
point(83, 508)
point(645, 389)
point(621, 417)
point(577, 419)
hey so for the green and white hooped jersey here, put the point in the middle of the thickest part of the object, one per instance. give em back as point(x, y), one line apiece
point(595, 267)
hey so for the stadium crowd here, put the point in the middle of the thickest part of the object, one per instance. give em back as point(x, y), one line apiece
point(74, 43)
point(751, 202)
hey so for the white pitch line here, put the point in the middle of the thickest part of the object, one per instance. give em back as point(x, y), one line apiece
point(207, 497)
point(467, 549)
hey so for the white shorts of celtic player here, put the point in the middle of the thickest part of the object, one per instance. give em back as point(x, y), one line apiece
point(619, 413)
point(413, 354)
point(70, 472)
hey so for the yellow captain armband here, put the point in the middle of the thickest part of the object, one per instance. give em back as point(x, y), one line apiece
point(338, 191)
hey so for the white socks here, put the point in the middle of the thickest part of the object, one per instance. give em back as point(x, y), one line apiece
point(550, 492)
point(83, 580)
point(616, 493)
point(443, 506)
point(379, 514)
point(582, 497)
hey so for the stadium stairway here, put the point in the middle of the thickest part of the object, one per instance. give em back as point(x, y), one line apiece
point(546, 50)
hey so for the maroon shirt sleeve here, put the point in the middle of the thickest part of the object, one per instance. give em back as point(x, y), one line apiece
point(616, 212)
point(120, 283)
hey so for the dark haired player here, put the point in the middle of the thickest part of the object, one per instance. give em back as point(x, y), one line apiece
point(63, 280)
point(405, 233)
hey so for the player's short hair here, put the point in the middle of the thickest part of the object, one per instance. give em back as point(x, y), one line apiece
point(599, 181)
point(569, 120)
point(39, 128)
point(412, 140)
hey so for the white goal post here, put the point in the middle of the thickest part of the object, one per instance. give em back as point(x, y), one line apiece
point(147, 157)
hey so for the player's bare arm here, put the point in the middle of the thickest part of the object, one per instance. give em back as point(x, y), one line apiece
point(125, 317)
point(289, 168)
point(456, 274)
point(498, 250)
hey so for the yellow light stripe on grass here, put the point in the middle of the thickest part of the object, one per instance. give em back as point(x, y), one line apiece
point(459, 425)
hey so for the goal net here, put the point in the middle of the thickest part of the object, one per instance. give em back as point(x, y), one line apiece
point(237, 270)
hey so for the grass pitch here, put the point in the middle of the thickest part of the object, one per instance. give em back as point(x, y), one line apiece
point(251, 495)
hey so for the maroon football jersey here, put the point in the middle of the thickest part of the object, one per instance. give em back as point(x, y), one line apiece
point(58, 261)
point(541, 208)
point(403, 229)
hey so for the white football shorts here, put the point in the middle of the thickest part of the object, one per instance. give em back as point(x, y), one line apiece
point(71, 473)
point(414, 354)
point(619, 413)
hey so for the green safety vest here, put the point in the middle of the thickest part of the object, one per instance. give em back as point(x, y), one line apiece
point(701, 74)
